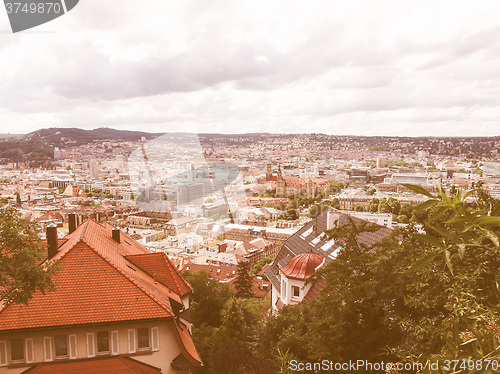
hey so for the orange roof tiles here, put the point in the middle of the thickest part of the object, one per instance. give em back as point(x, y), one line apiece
point(95, 272)
point(221, 273)
point(111, 365)
point(186, 344)
point(161, 268)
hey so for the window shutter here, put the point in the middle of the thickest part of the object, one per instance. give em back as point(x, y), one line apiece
point(131, 341)
point(155, 339)
point(47, 348)
point(3, 353)
point(72, 347)
point(29, 350)
point(115, 348)
point(90, 345)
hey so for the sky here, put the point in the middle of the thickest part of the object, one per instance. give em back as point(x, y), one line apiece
point(363, 67)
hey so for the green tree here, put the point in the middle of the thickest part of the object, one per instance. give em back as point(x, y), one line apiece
point(359, 208)
point(373, 205)
point(463, 252)
point(335, 203)
point(208, 298)
point(260, 264)
point(291, 214)
point(412, 296)
point(234, 322)
point(243, 281)
point(21, 274)
point(335, 187)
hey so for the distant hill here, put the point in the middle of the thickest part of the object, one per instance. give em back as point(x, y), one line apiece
point(40, 144)
point(61, 137)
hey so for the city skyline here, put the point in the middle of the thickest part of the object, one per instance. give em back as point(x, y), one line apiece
point(395, 69)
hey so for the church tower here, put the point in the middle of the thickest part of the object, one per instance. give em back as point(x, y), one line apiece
point(280, 183)
point(269, 173)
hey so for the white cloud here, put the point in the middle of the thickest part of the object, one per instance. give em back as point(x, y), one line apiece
point(361, 67)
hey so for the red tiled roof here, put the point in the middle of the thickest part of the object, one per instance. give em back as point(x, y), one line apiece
point(260, 288)
point(161, 268)
point(94, 272)
point(186, 344)
point(302, 266)
point(109, 365)
point(221, 273)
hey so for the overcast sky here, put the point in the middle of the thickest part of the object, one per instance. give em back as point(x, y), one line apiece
point(408, 68)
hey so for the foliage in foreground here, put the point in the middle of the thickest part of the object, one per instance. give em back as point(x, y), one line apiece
point(430, 292)
point(21, 254)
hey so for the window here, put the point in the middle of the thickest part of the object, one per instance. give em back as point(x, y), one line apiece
point(103, 342)
point(17, 349)
point(283, 289)
point(115, 348)
point(29, 350)
point(143, 338)
point(295, 291)
point(3, 353)
point(47, 348)
point(155, 339)
point(61, 344)
point(90, 345)
point(131, 341)
point(72, 347)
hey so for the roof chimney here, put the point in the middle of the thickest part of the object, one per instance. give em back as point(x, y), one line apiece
point(115, 233)
point(72, 222)
point(51, 234)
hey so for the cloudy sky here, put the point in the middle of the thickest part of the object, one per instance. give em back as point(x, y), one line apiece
point(408, 68)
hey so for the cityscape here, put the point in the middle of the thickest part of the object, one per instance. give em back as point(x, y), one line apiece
point(249, 187)
point(209, 208)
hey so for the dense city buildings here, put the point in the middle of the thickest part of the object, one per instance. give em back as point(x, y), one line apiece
point(143, 210)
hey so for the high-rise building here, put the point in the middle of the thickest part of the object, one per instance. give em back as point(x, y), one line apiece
point(94, 169)
point(190, 194)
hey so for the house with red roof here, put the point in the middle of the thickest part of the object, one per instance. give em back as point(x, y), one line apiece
point(308, 250)
point(117, 308)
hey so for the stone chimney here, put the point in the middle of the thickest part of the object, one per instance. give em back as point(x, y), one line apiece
point(115, 234)
point(51, 234)
point(72, 222)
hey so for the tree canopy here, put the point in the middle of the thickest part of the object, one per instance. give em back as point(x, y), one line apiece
point(243, 281)
point(22, 253)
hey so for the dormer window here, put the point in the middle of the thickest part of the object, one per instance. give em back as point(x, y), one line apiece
point(295, 291)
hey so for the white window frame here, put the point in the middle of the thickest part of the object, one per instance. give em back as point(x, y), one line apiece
point(73, 346)
point(29, 352)
point(115, 342)
point(132, 341)
point(155, 338)
point(293, 291)
point(47, 349)
point(91, 348)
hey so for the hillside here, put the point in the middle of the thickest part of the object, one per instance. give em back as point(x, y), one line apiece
point(40, 144)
